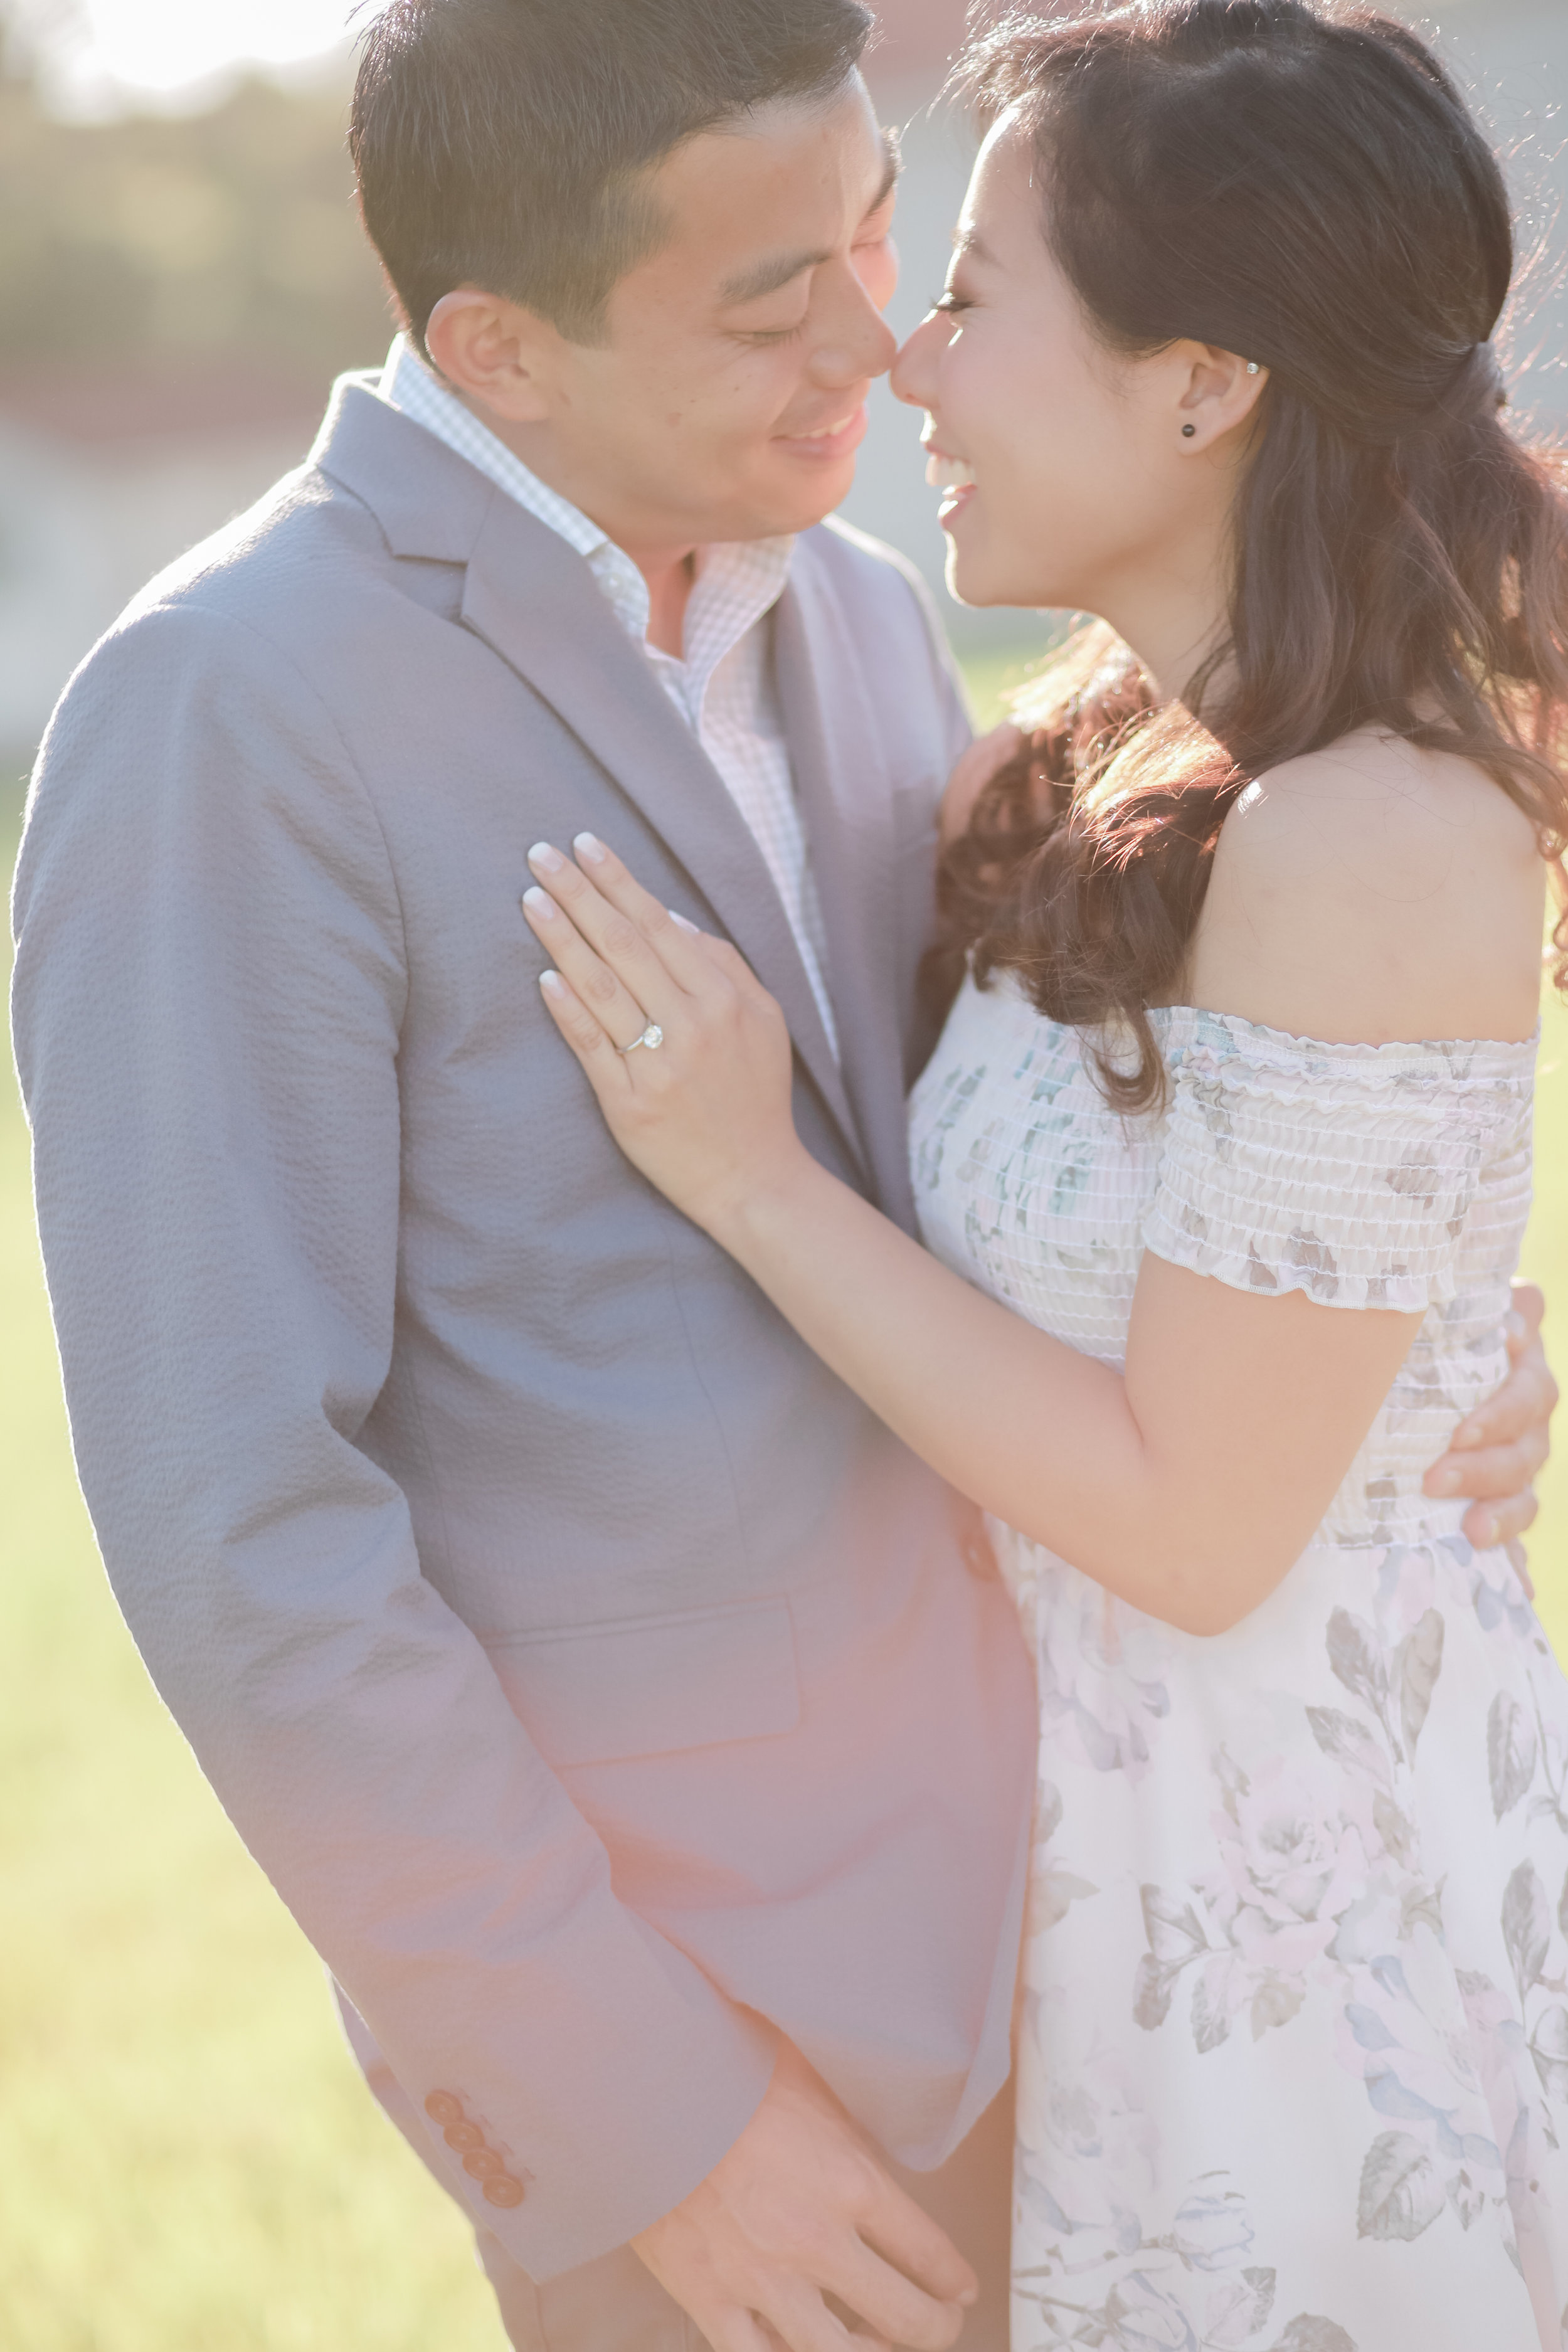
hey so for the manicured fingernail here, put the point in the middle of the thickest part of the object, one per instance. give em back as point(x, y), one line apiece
point(1485, 1526)
point(681, 924)
point(541, 904)
point(588, 846)
point(1514, 1323)
point(1443, 1482)
point(550, 859)
point(551, 983)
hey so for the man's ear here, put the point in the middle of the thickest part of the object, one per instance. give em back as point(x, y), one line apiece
point(496, 352)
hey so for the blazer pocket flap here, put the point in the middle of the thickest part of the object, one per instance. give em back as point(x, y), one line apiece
point(600, 1694)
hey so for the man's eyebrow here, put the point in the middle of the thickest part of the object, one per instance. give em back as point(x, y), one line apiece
point(768, 276)
point(892, 165)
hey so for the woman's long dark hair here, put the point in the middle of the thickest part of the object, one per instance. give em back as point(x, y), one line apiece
point(1303, 186)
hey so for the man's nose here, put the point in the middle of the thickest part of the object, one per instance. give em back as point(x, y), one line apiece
point(855, 340)
point(914, 369)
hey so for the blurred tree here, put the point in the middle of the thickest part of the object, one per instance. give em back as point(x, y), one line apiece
point(156, 238)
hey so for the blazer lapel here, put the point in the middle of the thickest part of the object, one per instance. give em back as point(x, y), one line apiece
point(534, 602)
point(839, 760)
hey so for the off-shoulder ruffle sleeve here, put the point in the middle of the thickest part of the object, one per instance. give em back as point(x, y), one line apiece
point(1344, 1171)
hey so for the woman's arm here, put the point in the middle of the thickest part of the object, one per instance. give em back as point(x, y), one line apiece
point(1189, 1485)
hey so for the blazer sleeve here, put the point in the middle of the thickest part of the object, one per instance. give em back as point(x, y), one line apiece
point(209, 985)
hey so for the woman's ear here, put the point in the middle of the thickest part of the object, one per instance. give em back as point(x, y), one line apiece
point(495, 351)
point(1219, 392)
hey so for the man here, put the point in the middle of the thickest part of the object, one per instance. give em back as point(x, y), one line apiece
point(630, 1722)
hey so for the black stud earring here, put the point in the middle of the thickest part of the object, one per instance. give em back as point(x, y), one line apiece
point(1189, 431)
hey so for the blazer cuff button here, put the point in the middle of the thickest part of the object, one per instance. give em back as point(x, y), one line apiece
point(444, 2108)
point(503, 2190)
point(463, 2135)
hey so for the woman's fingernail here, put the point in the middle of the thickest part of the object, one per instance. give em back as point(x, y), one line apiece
point(551, 983)
point(1514, 1323)
point(540, 902)
point(1443, 1482)
point(681, 924)
point(542, 854)
point(1486, 1531)
point(588, 846)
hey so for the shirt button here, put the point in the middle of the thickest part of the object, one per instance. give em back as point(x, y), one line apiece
point(504, 2190)
point(462, 2136)
point(979, 1558)
point(484, 2163)
point(443, 2107)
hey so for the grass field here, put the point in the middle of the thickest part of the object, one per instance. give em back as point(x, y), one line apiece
point(187, 2161)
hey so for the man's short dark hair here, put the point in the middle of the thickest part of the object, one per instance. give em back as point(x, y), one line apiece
point(507, 144)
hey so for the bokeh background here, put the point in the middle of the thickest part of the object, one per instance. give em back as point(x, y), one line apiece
point(187, 2160)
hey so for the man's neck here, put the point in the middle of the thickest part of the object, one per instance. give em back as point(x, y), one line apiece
point(670, 574)
point(670, 580)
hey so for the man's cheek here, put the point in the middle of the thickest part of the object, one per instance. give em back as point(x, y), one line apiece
point(759, 403)
point(878, 269)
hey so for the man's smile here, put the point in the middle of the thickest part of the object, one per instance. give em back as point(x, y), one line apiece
point(840, 438)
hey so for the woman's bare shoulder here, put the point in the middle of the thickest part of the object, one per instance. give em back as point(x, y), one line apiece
point(1373, 891)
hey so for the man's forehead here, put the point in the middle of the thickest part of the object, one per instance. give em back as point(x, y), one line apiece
point(793, 181)
point(783, 261)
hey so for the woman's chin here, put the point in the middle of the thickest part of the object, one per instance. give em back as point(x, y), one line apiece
point(971, 581)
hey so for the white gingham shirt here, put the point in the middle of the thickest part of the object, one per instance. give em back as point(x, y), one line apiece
point(723, 688)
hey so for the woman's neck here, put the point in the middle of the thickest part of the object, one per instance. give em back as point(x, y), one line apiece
point(1173, 622)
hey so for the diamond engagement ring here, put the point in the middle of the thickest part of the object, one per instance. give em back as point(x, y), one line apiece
point(652, 1037)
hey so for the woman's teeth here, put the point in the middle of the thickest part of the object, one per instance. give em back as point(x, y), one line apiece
point(949, 473)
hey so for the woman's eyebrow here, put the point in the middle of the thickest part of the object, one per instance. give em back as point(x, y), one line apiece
point(967, 247)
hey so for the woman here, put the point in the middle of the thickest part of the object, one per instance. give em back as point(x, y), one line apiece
point(1217, 1258)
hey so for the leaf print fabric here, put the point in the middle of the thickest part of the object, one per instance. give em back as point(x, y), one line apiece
point(1293, 2020)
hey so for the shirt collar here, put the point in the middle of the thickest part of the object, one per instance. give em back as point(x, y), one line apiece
point(737, 581)
point(411, 385)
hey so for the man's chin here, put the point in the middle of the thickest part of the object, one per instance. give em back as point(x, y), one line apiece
point(818, 491)
point(787, 504)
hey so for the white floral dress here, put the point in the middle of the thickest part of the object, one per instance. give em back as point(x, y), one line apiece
point(1294, 2024)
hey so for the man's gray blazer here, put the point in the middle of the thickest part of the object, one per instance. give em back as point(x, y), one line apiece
point(602, 1687)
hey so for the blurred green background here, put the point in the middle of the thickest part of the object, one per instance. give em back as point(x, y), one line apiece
point(188, 2162)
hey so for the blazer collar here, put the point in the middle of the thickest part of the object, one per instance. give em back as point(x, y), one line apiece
point(429, 503)
point(534, 602)
point(839, 760)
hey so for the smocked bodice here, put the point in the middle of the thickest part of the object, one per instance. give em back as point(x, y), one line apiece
point(1392, 1176)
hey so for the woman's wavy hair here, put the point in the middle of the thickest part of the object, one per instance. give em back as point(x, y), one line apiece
point(1305, 187)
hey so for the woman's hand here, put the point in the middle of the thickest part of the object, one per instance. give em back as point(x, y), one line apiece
point(702, 1104)
point(985, 758)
